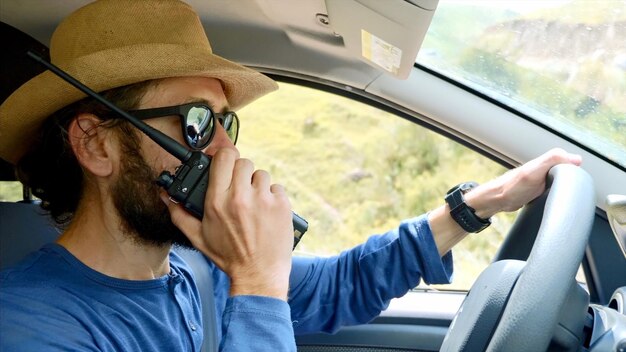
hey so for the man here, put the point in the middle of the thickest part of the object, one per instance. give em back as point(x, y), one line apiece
point(111, 281)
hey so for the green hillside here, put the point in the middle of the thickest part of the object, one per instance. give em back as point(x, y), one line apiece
point(352, 170)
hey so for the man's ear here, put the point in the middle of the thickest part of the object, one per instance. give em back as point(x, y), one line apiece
point(93, 145)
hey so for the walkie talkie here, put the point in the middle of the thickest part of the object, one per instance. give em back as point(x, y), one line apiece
point(189, 184)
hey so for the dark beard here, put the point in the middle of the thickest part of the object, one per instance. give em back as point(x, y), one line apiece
point(143, 215)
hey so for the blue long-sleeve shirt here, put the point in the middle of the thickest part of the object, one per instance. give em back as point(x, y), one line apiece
point(51, 301)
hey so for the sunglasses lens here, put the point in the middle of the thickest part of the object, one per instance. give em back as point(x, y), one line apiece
point(199, 126)
point(230, 122)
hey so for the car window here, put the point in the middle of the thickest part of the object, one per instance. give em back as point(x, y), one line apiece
point(561, 63)
point(10, 191)
point(353, 170)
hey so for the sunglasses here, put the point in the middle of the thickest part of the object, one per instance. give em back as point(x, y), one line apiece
point(197, 121)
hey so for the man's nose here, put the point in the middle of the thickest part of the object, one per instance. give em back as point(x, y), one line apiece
point(220, 141)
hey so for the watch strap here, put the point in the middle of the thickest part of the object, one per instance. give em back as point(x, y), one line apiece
point(462, 213)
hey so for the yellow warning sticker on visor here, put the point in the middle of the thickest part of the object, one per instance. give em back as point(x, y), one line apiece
point(380, 52)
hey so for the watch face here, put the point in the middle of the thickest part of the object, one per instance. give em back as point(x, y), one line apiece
point(464, 187)
point(468, 186)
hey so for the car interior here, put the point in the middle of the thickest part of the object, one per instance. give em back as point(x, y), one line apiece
point(528, 298)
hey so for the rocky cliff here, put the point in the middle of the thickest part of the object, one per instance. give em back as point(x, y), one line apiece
point(590, 58)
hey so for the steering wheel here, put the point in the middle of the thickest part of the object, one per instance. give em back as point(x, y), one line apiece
point(515, 305)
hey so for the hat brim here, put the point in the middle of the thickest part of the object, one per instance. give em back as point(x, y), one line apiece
point(25, 110)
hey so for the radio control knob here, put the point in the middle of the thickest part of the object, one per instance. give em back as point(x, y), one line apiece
point(165, 179)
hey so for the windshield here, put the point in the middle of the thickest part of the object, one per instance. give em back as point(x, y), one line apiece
point(562, 63)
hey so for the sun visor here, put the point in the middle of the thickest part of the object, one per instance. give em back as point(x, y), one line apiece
point(385, 34)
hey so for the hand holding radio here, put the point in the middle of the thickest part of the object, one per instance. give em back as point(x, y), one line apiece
point(189, 185)
point(246, 226)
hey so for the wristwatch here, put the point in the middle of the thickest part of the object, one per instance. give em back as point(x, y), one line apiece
point(462, 213)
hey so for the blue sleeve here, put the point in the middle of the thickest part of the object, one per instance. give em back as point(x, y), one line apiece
point(354, 287)
point(256, 323)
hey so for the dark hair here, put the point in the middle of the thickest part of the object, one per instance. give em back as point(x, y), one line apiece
point(50, 168)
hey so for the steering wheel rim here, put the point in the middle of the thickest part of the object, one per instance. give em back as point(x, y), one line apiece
point(524, 300)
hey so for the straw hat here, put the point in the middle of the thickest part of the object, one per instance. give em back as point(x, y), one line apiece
point(113, 43)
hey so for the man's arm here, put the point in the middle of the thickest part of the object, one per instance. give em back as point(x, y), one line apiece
point(508, 192)
point(355, 286)
point(256, 323)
